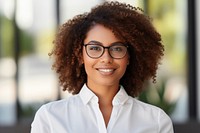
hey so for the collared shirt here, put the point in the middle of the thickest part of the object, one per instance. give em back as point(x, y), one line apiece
point(81, 114)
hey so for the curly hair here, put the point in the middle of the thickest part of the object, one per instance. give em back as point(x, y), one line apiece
point(129, 24)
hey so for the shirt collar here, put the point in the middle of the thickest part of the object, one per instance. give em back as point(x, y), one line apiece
point(121, 97)
point(88, 96)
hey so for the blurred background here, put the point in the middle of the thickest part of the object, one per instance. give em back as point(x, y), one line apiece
point(28, 27)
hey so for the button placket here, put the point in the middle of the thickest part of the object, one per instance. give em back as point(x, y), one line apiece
point(99, 115)
point(113, 117)
point(99, 118)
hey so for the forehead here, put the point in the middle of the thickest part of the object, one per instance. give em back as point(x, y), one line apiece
point(101, 34)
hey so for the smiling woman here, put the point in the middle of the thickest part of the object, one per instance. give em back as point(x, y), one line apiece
point(103, 57)
point(107, 69)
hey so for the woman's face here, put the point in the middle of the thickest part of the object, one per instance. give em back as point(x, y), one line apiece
point(105, 70)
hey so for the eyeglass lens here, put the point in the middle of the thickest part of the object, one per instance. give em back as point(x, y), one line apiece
point(117, 50)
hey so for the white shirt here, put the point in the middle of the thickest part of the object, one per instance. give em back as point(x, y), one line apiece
point(81, 114)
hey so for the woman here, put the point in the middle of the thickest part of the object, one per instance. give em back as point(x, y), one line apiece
point(103, 57)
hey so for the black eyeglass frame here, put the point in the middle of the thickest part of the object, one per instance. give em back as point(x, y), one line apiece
point(122, 44)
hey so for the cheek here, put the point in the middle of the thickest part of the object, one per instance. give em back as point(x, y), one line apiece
point(125, 61)
point(123, 67)
point(85, 58)
point(124, 64)
point(88, 62)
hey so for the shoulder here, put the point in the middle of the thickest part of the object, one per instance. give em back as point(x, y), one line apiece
point(56, 108)
point(52, 114)
point(148, 110)
point(151, 113)
point(70, 101)
point(144, 106)
point(60, 105)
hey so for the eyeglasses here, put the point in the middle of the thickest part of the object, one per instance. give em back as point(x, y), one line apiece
point(117, 50)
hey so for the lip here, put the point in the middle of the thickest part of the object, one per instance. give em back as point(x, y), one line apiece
point(106, 71)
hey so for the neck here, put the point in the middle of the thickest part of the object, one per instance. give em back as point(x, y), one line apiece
point(104, 93)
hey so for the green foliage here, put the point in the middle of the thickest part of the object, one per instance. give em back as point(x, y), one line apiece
point(7, 37)
point(158, 98)
point(8, 42)
point(26, 111)
point(26, 43)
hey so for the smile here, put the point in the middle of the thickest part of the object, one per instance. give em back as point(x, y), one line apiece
point(106, 70)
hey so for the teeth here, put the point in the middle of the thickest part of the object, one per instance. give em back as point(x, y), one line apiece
point(106, 70)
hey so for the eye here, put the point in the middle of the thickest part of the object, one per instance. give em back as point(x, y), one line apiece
point(95, 47)
point(117, 48)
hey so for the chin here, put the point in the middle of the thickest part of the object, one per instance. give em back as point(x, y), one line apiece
point(107, 82)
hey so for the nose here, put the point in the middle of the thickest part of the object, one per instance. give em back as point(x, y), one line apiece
point(106, 58)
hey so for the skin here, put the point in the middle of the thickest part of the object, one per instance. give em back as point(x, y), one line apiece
point(104, 73)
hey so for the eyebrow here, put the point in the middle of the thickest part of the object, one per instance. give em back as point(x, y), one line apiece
point(94, 42)
point(97, 42)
